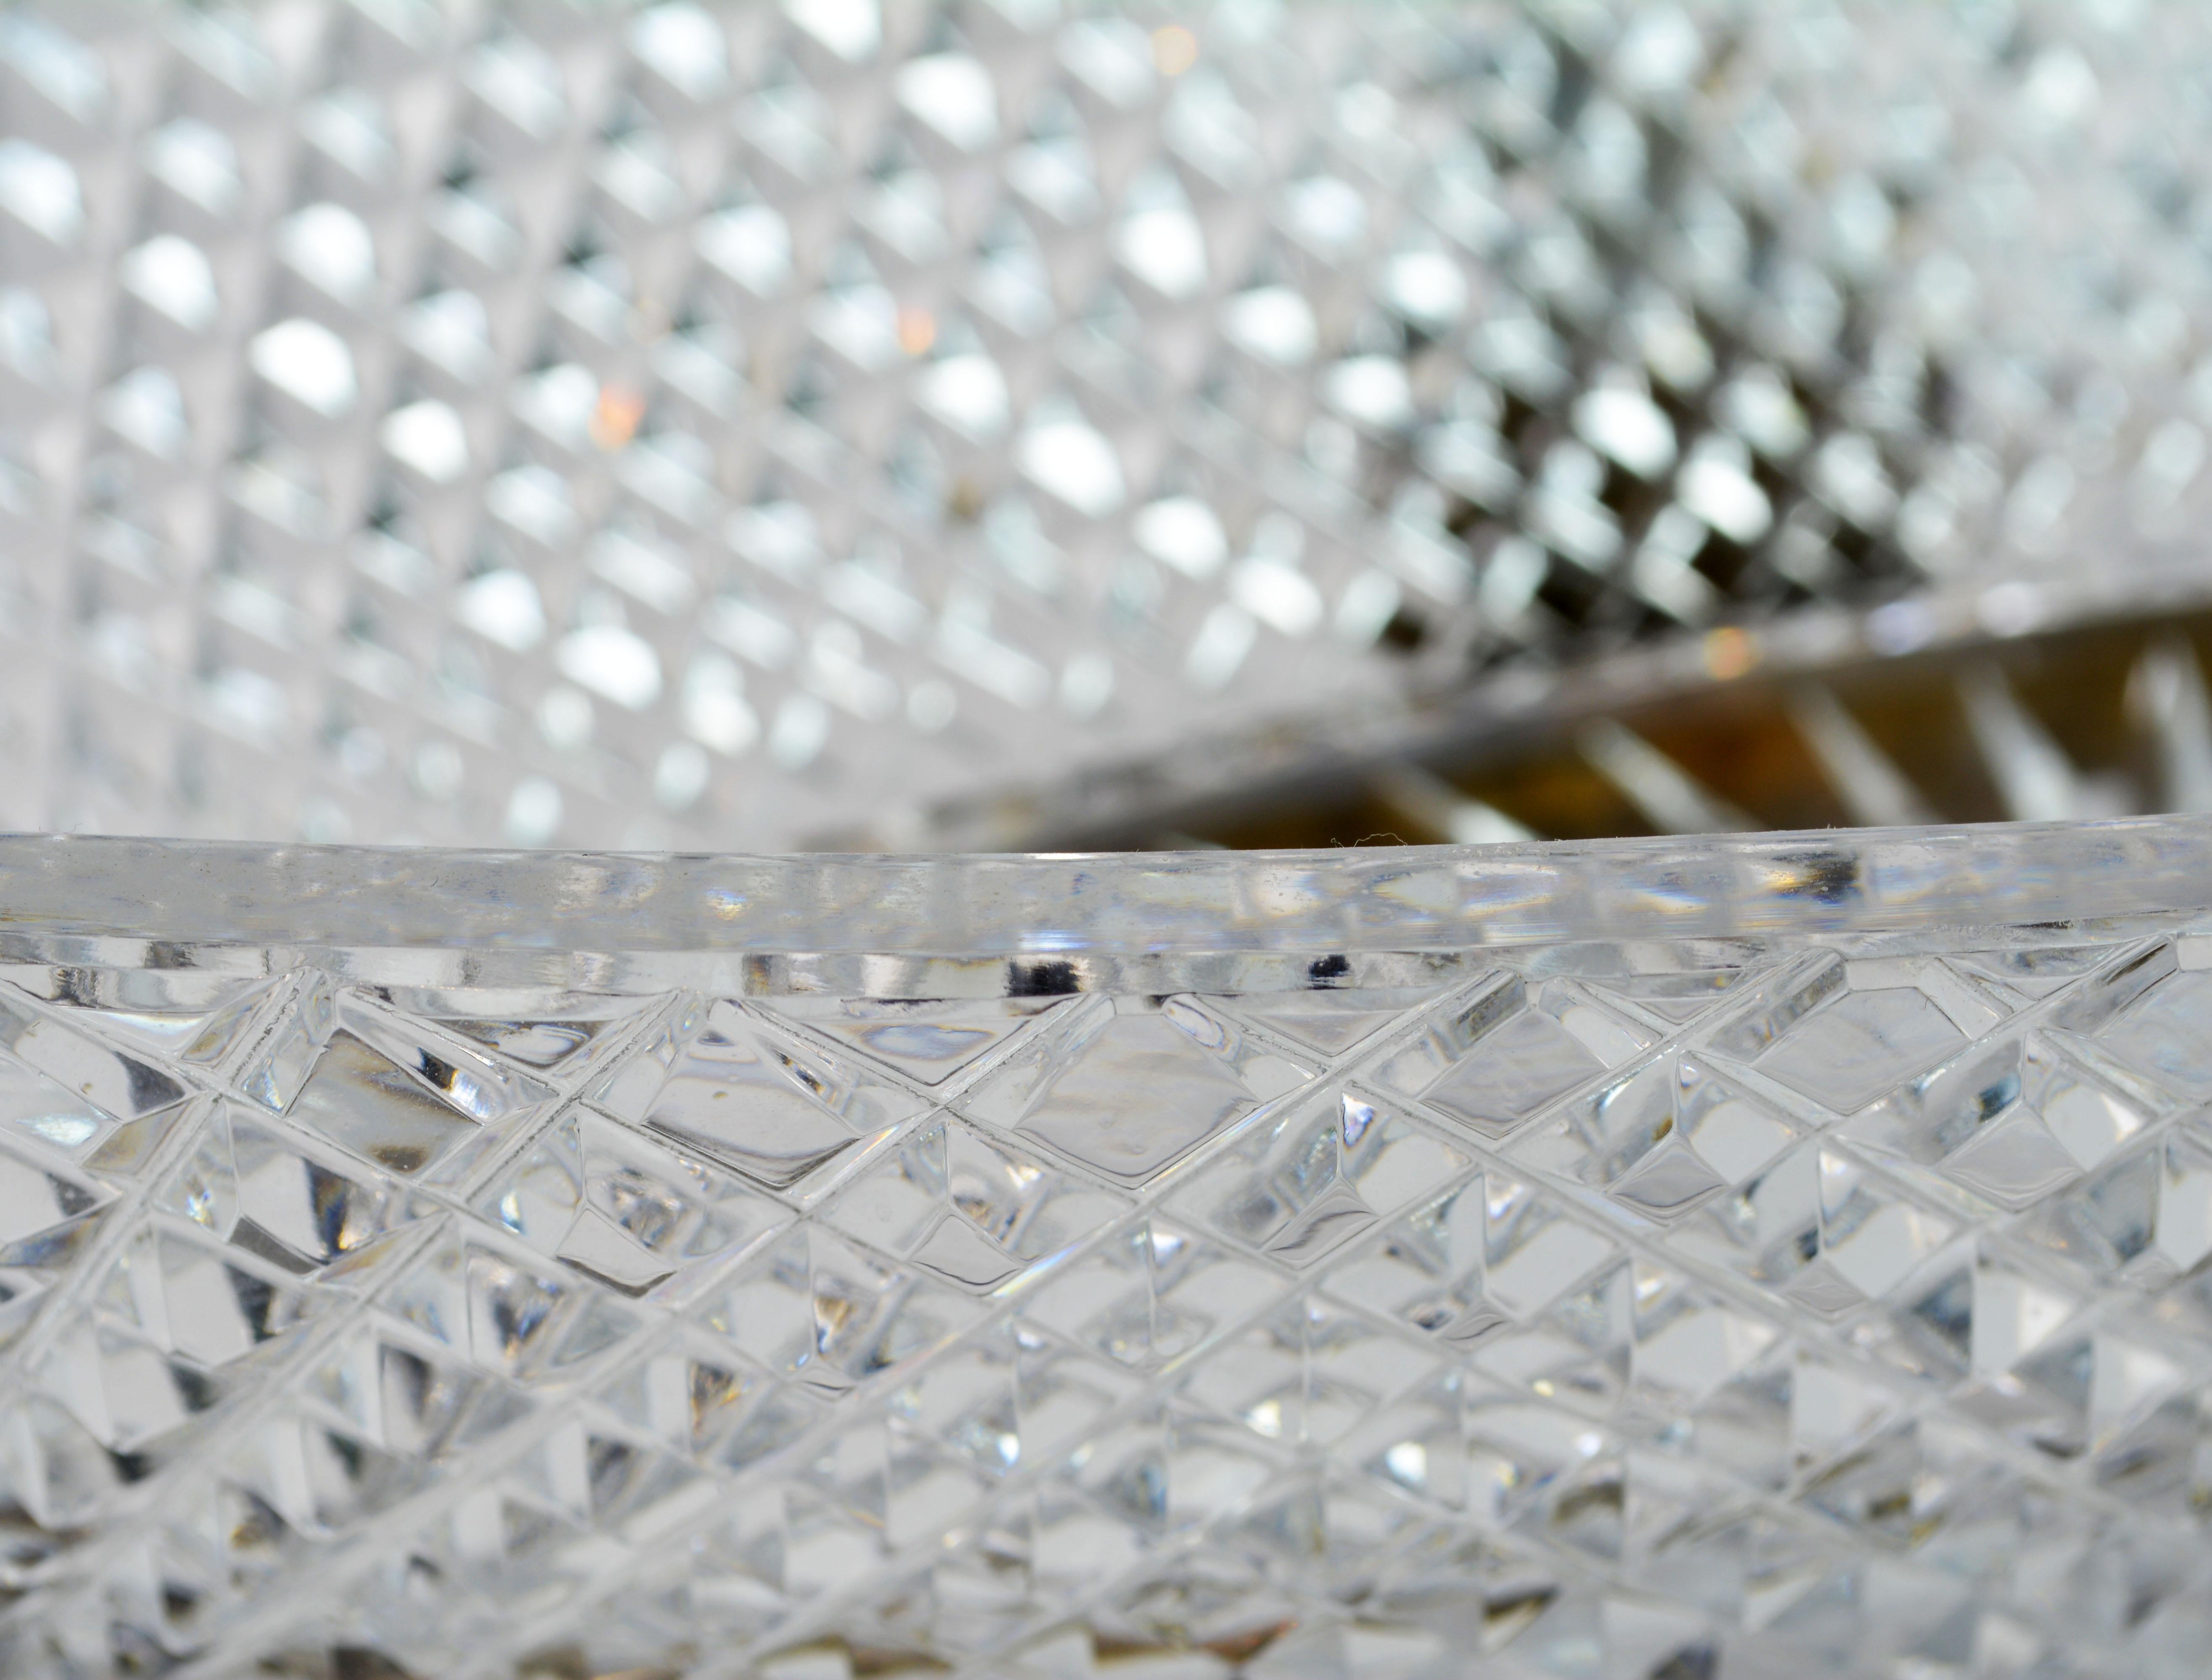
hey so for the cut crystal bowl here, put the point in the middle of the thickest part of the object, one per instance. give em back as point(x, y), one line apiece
point(1736, 1257)
point(841, 425)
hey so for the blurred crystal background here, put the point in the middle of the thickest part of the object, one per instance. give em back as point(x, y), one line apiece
point(1001, 423)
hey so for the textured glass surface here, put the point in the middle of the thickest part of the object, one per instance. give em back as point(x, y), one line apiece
point(743, 425)
point(1654, 1260)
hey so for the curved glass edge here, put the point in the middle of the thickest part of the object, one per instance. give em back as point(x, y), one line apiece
point(1030, 917)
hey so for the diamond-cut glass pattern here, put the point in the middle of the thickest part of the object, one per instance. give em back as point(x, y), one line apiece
point(1328, 1264)
point(711, 423)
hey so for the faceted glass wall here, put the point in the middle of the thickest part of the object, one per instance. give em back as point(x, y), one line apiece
point(1655, 1258)
point(846, 422)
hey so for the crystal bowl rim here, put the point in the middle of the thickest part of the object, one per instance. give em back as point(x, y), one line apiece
point(1057, 908)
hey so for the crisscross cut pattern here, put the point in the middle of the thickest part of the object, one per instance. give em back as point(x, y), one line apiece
point(1744, 1307)
point(862, 423)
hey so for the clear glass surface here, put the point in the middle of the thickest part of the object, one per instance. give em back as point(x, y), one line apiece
point(1736, 1257)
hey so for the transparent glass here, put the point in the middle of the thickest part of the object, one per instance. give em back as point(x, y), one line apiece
point(1656, 1259)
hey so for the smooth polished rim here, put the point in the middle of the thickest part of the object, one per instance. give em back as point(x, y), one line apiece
point(1036, 911)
